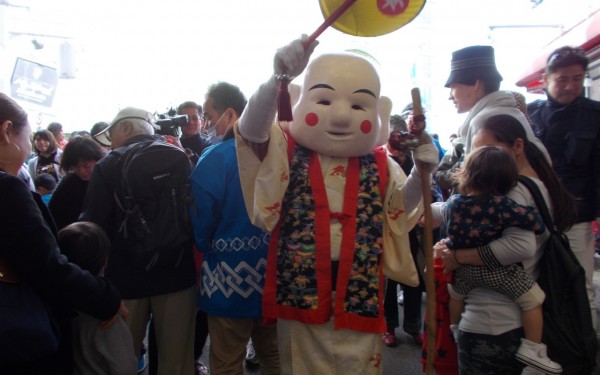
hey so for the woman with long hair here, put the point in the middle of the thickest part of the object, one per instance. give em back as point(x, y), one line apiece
point(30, 255)
point(47, 155)
point(491, 327)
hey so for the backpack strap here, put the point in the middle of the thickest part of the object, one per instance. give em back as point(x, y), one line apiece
point(540, 202)
point(122, 191)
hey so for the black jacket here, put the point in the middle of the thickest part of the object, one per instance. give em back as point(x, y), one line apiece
point(197, 143)
point(100, 207)
point(571, 134)
point(67, 200)
point(29, 247)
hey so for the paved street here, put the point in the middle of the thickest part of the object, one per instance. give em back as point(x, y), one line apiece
point(405, 358)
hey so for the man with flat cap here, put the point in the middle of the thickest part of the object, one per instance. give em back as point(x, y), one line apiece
point(474, 84)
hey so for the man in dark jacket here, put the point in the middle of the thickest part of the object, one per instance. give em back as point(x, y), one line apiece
point(569, 126)
point(191, 138)
point(166, 293)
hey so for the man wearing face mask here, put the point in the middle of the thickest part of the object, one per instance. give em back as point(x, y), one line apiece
point(223, 105)
point(229, 244)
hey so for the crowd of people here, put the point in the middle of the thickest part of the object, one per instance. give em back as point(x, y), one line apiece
point(289, 245)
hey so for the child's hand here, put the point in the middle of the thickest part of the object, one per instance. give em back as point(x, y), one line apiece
point(449, 259)
point(438, 248)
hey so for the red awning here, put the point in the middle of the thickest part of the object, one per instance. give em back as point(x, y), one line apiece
point(585, 34)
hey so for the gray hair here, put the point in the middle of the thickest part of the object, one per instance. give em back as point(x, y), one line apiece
point(138, 126)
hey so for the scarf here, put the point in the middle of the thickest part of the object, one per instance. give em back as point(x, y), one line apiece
point(299, 277)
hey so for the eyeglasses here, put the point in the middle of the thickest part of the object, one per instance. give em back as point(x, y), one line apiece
point(563, 54)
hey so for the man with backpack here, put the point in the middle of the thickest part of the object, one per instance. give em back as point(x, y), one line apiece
point(139, 195)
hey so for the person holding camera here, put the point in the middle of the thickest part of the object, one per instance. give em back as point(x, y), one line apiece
point(191, 138)
point(194, 143)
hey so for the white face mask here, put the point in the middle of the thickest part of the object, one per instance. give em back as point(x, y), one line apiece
point(211, 133)
point(212, 136)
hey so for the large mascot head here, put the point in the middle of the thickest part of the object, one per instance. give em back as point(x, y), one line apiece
point(340, 111)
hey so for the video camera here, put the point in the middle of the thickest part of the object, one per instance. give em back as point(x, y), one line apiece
point(172, 125)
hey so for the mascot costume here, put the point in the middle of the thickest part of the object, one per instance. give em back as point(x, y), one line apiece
point(338, 207)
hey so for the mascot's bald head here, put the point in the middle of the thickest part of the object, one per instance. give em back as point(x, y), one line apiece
point(340, 111)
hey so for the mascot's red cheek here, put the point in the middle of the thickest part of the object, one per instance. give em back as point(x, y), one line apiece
point(311, 119)
point(366, 126)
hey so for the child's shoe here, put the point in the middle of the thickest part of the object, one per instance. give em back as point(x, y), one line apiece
point(536, 356)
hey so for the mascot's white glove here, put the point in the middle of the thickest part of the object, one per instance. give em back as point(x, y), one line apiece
point(428, 156)
point(426, 153)
point(258, 116)
point(293, 58)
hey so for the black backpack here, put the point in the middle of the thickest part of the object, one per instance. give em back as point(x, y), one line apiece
point(568, 328)
point(153, 196)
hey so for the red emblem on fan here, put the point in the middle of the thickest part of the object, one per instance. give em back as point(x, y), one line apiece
point(392, 7)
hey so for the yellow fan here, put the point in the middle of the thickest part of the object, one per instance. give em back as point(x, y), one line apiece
point(372, 17)
point(359, 18)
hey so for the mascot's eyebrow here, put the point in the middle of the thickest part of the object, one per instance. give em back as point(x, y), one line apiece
point(365, 91)
point(326, 86)
point(322, 86)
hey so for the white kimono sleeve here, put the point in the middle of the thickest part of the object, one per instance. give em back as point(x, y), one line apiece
point(264, 182)
point(398, 263)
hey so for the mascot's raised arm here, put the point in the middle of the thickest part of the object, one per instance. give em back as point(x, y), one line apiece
point(338, 207)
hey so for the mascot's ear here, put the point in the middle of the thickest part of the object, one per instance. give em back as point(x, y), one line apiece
point(295, 91)
point(385, 111)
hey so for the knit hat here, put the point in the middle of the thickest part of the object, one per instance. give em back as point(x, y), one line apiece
point(472, 63)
